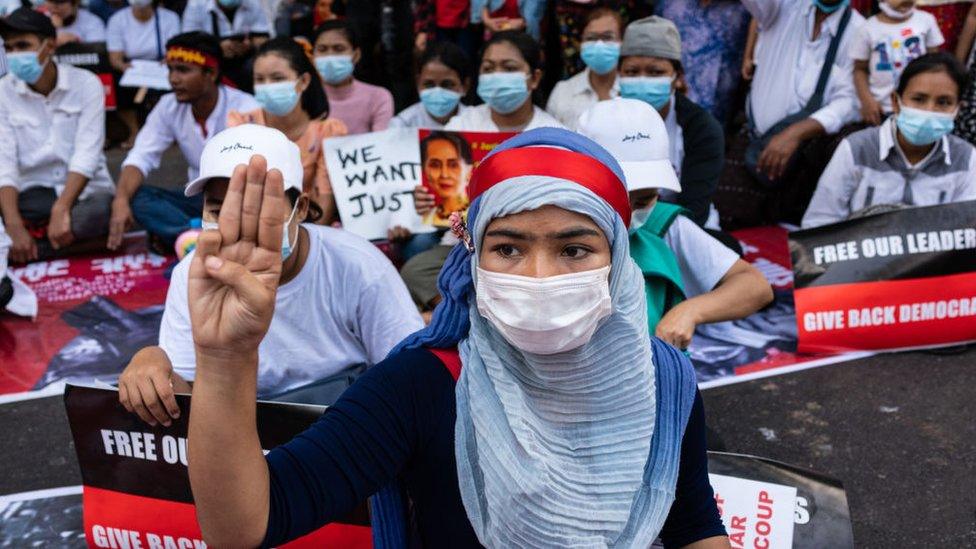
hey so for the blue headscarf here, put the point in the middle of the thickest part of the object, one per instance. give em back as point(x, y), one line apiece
point(556, 450)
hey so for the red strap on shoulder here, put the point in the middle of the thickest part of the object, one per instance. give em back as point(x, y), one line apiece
point(451, 359)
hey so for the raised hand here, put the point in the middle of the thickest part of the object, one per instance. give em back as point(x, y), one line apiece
point(234, 275)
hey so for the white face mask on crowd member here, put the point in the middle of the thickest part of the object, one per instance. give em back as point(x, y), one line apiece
point(547, 315)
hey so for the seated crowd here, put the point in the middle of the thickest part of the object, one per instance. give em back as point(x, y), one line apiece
point(843, 114)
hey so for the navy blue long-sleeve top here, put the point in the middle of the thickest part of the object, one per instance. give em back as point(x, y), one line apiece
point(397, 421)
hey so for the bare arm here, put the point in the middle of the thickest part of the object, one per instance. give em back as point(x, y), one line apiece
point(870, 109)
point(24, 248)
point(742, 291)
point(717, 542)
point(232, 284)
point(965, 44)
point(117, 60)
point(121, 219)
point(749, 58)
point(59, 228)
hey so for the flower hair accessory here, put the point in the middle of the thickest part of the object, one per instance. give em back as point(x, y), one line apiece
point(460, 230)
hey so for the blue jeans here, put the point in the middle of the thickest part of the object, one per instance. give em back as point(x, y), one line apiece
point(420, 243)
point(165, 213)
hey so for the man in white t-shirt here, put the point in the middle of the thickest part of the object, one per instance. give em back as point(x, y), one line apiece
point(339, 303)
point(883, 46)
point(691, 278)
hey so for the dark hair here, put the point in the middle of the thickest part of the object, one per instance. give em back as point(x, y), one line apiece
point(525, 44)
point(314, 101)
point(603, 11)
point(450, 55)
point(203, 41)
point(314, 210)
point(338, 25)
point(460, 144)
point(935, 62)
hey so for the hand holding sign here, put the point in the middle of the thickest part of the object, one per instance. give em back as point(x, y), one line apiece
point(234, 275)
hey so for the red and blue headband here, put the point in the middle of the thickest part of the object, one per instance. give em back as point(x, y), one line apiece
point(577, 159)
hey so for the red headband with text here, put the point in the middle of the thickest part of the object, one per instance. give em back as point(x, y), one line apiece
point(547, 161)
point(183, 54)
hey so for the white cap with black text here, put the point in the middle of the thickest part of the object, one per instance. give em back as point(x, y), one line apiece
point(634, 133)
point(234, 146)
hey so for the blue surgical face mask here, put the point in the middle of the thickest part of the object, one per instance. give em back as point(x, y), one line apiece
point(830, 8)
point(653, 90)
point(25, 66)
point(439, 102)
point(334, 68)
point(601, 57)
point(286, 246)
point(278, 98)
point(924, 127)
point(504, 92)
point(229, 3)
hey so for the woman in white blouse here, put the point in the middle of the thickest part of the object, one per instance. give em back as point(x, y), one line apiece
point(139, 31)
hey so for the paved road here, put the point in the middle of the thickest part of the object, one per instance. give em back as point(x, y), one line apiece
point(898, 429)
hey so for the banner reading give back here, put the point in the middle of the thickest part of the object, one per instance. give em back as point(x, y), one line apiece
point(136, 491)
point(900, 279)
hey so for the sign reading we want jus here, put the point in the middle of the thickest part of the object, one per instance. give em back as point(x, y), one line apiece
point(373, 176)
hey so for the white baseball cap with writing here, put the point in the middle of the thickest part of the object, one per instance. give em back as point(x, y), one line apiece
point(634, 133)
point(234, 146)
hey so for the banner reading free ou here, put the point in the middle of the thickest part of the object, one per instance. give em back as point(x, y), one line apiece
point(135, 482)
point(900, 279)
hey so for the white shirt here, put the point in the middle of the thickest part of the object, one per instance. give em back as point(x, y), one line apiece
point(571, 97)
point(788, 64)
point(347, 306)
point(87, 26)
point(870, 168)
point(171, 121)
point(676, 138)
point(702, 259)
point(890, 47)
point(416, 116)
point(478, 119)
point(139, 39)
point(249, 18)
point(45, 137)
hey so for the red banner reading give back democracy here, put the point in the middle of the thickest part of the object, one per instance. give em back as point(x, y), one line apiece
point(136, 491)
point(900, 279)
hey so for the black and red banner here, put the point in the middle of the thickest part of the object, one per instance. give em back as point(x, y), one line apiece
point(900, 279)
point(136, 491)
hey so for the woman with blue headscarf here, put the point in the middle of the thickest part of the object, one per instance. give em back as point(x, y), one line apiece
point(534, 411)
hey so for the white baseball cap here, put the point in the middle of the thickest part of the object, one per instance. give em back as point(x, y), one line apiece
point(634, 133)
point(234, 146)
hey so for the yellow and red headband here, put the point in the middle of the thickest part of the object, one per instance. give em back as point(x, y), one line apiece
point(182, 54)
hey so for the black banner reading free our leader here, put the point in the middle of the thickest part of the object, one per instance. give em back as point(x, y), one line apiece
point(900, 279)
point(136, 489)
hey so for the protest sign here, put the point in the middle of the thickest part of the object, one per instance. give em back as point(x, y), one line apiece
point(146, 74)
point(135, 481)
point(92, 56)
point(764, 343)
point(94, 312)
point(373, 176)
point(447, 160)
point(899, 279)
point(42, 518)
point(766, 504)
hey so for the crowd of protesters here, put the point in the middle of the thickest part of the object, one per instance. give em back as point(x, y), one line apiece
point(688, 119)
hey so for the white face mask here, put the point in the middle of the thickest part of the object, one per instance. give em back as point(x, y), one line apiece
point(639, 217)
point(286, 246)
point(893, 13)
point(545, 315)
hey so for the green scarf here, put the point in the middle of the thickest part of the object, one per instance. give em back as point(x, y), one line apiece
point(663, 288)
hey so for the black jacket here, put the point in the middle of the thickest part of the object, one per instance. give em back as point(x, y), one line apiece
point(704, 154)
